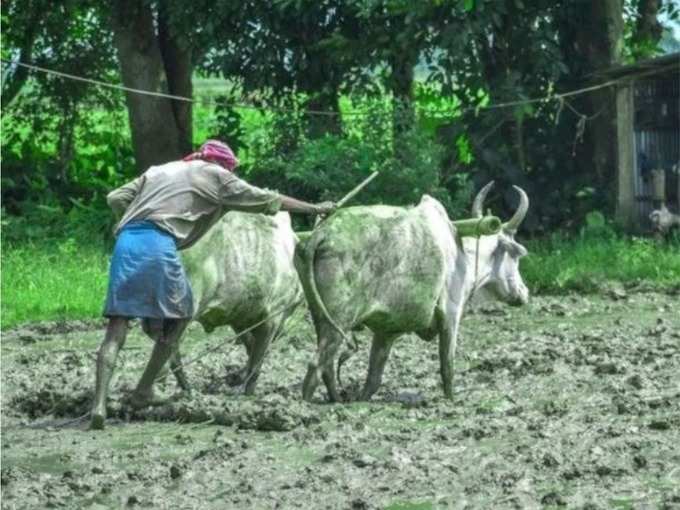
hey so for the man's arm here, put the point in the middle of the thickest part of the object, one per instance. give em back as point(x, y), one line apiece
point(238, 194)
point(119, 199)
point(298, 206)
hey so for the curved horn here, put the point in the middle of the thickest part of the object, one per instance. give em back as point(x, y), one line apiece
point(478, 204)
point(513, 224)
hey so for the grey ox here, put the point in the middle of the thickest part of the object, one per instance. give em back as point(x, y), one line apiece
point(242, 275)
point(397, 270)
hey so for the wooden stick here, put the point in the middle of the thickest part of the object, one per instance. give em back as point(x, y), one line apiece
point(349, 196)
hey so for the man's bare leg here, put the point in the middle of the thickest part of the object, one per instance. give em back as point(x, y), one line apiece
point(163, 350)
point(116, 332)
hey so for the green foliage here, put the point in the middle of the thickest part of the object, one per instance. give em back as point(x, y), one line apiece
point(326, 168)
point(34, 171)
point(42, 223)
point(598, 256)
point(63, 143)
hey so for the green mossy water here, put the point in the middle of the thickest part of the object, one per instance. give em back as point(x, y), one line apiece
point(568, 401)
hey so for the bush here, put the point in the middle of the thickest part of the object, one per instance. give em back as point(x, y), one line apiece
point(328, 167)
point(44, 224)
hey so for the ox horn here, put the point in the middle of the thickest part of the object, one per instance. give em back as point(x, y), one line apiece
point(513, 224)
point(478, 204)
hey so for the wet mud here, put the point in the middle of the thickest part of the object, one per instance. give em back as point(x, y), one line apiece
point(570, 402)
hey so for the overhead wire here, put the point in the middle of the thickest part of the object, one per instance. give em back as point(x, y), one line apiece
point(559, 96)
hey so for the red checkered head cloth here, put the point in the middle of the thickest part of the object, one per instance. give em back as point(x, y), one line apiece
point(216, 152)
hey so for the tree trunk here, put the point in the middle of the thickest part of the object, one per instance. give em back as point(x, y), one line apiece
point(402, 64)
point(648, 28)
point(495, 56)
point(178, 69)
point(323, 94)
point(319, 125)
point(158, 135)
point(599, 42)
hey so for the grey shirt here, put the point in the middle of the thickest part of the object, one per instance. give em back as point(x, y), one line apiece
point(185, 198)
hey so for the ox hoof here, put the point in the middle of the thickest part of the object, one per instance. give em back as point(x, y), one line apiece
point(97, 421)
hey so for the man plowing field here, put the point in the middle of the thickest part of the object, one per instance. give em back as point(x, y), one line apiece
point(166, 209)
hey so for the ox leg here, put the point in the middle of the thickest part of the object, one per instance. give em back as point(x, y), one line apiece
point(329, 345)
point(163, 350)
point(154, 329)
point(263, 336)
point(116, 332)
point(330, 381)
point(237, 377)
point(380, 351)
point(448, 334)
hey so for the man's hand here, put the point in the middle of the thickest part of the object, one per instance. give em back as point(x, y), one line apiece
point(298, 206)
point(324, 208)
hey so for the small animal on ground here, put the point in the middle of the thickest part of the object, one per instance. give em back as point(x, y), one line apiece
point(663, 220)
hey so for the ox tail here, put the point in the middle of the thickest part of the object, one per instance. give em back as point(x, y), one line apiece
point(315, 297)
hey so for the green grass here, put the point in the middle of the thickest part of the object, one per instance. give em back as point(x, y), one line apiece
point(585, 264)
point(52, 282)
point(67, 279)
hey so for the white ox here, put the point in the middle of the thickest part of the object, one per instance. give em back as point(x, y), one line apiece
point(242, 275)
point(663, 220)
point(397, 270)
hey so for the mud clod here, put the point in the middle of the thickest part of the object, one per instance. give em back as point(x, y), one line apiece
point(552, 498)
point(175, 472)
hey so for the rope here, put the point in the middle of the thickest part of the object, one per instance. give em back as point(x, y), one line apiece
point(231, 339)
point(329, 113)
point(476, 284)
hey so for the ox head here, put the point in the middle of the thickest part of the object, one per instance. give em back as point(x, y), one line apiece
point(500, 275)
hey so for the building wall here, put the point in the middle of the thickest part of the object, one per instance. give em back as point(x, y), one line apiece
point(656, 141)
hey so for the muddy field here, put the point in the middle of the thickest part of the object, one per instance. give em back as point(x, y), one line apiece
point(570, 401)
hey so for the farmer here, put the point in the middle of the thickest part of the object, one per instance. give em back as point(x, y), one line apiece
point(166, 209)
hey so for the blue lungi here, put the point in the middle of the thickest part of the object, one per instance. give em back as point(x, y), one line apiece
point(147, 279)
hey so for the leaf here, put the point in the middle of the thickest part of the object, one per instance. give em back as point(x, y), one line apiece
point(468, 5)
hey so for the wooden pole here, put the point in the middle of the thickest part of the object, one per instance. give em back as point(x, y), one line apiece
point(349, 196)
point(627, 212)
point(475, 227)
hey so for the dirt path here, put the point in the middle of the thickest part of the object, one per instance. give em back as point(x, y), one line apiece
point(570, 401)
